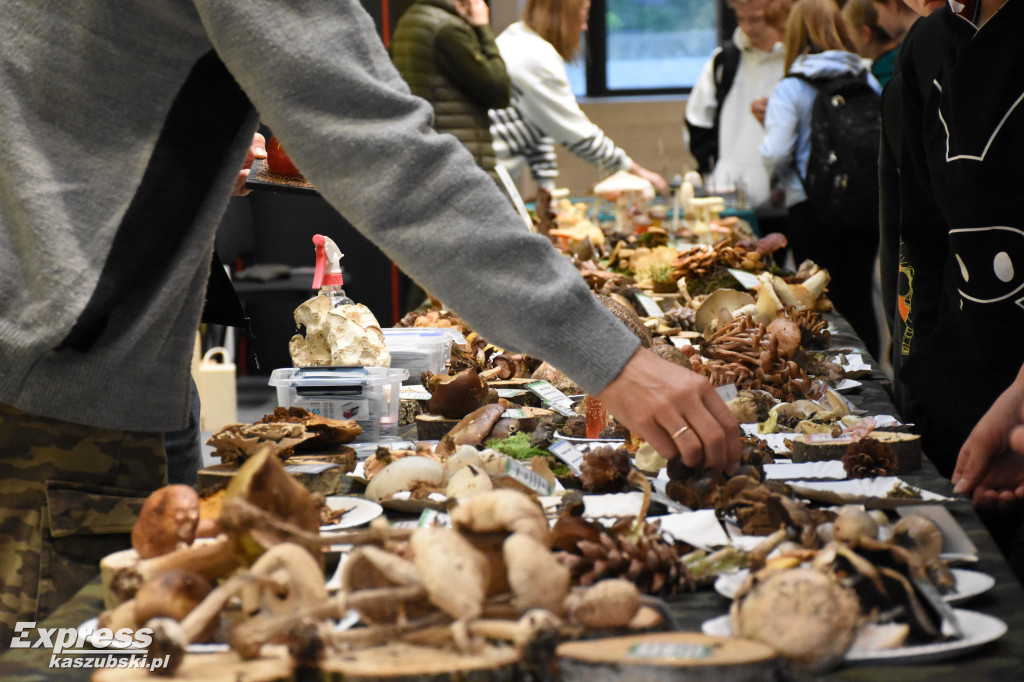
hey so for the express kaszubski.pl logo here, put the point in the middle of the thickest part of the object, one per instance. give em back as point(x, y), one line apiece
point(90, 648)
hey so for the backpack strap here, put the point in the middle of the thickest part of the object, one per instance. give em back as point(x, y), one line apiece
point(727, 63)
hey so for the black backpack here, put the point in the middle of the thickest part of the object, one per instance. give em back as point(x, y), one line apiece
point(704, 141)
point(842, 171)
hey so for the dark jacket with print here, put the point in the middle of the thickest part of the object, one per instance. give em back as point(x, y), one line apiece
point(457, 68)
point(959, 322)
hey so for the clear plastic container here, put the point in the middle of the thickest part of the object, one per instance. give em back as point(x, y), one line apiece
point(421, 349)
point(368, 395)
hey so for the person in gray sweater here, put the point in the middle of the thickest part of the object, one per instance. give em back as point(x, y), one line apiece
point(123, 131)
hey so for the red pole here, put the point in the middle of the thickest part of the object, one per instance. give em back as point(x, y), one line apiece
point(385, 34)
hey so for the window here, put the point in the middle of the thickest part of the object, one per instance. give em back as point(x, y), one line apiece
point(647, 46)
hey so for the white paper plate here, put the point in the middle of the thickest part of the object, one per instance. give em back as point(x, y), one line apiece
point(596, 442)
point(969, 584)
point(867, 491)
point(978, 628)
point(360, 511)
point(832, 470)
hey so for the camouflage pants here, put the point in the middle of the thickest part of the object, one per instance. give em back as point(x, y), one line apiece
point(69, 495)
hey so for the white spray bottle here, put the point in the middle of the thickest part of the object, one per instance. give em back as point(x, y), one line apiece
point(327, 277)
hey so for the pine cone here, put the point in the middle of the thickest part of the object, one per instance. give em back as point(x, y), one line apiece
point(605, 470)
point(868, 458)
point(648, 560)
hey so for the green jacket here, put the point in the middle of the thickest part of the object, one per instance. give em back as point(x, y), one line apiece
point(457, 68)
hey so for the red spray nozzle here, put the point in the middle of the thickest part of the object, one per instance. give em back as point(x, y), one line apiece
point(328, 262)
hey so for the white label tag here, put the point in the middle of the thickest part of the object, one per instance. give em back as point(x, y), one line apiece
point(828, 439)
point(670, 650)
point(432, 517)
point(530, 479)
point(555, 399)
point(727, 392)
point(568, 453)
point(414, 393)
point(649, 305)
point(513, 414)
point(509, 392)
point(747, 280)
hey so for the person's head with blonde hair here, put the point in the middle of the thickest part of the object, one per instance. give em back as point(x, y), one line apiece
point(816, 26)
point(559, 22)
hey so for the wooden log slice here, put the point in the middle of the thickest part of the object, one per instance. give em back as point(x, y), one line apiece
point(274, 664)
point(311, 470)
point(400, 662)
point(906, 448)
point(433, 426)
point(668, 656)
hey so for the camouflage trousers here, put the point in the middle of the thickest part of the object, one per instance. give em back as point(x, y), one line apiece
point(69, 495)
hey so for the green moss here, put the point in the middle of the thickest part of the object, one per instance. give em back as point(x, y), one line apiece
point(519, 447)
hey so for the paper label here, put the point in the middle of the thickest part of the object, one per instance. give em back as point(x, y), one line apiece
point(649, 305)
point(432, 517)
point(414, 393)
point(670, 650)
point(555, 399)
point(747, 280)
point(513, 414)
point(568, 453)
point(828, 439)
point(358, 409)
point(309, 467)
point(530, 479)
point(510, 392)
point(727, 392)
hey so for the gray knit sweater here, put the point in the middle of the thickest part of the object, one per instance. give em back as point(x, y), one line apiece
point(85, 91)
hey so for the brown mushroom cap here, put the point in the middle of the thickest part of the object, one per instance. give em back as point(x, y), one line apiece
point(787, 332)
point(455, 397)
point(167, 521)
point(173, 594)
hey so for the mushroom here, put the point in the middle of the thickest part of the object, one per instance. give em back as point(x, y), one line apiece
point(453, 397)
point(729, 299)
point(403, 474)
point(167, 521)
point(537, 578)
point(608, 604)
point(788, 335)
point(853, 522)
point(621, 187)
point(472, 430)
point(173, 595)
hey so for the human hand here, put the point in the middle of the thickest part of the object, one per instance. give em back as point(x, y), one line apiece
point(656, 398)
point(257, 150)
point(990, 466)
point(476, 12)
point(758, 108)
point(652, 177)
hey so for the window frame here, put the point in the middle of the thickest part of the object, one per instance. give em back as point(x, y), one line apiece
point(596, 55)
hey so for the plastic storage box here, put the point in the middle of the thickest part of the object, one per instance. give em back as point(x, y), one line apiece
point(369, 395)
point(421, 349)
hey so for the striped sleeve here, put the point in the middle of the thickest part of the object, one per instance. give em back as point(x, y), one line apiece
point(515, 137)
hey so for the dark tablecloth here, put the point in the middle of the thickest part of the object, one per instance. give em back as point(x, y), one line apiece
point(999, 660)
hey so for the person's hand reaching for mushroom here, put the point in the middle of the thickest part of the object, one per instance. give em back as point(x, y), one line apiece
point(652, 177)
point(675, 410)
point(257, 150)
